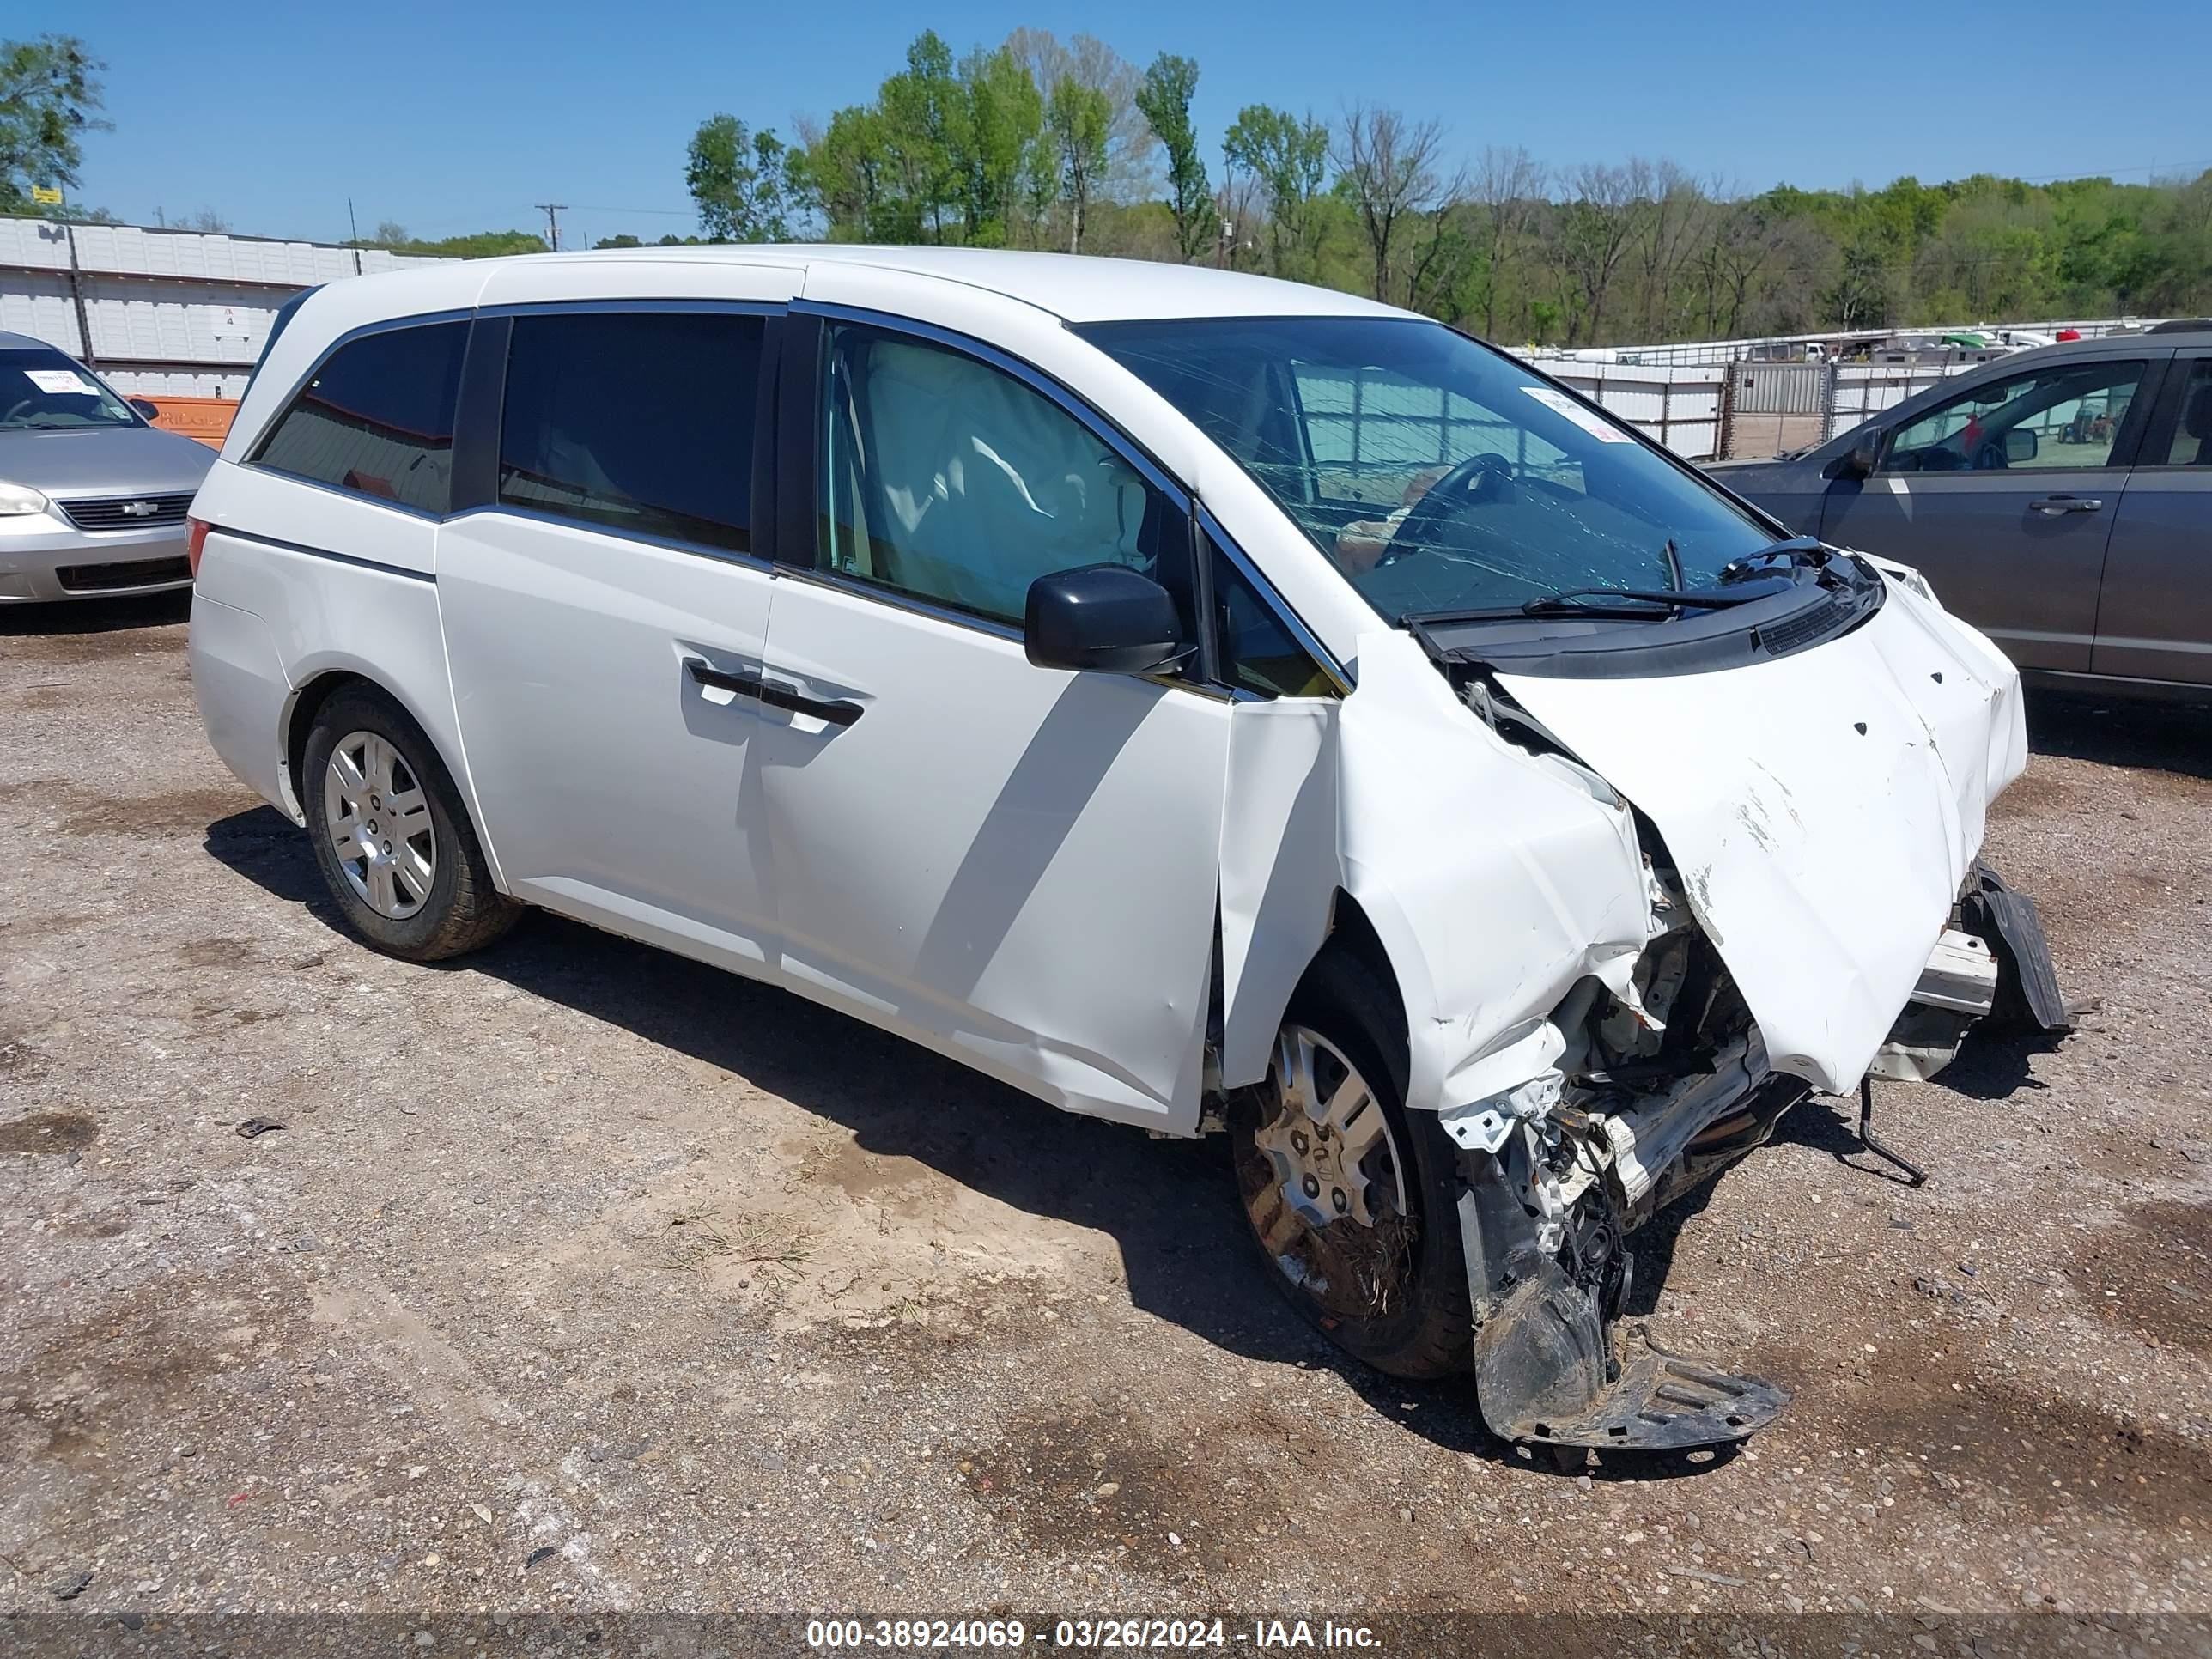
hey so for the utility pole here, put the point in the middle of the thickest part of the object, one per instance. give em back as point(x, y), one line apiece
point(553, 211)
point(351, 225)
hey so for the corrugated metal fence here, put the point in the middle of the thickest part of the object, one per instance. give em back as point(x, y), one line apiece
point(161, 313)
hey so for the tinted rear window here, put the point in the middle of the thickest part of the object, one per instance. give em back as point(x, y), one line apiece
point(378, 417)
point(640, 422)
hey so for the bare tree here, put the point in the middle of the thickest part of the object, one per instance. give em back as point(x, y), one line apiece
point(1393, 166)
point(1508, 186)
point(1676, 219)
point(1592, 232)
point(1131, 172)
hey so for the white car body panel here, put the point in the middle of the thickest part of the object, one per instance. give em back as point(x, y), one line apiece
point(1824, 809)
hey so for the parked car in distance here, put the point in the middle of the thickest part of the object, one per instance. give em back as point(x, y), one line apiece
point(1202, 701)
point(2058, 499)
point(92, 496)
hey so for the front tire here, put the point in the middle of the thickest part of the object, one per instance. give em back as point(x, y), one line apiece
point(1351, 1200)
point(391, 835)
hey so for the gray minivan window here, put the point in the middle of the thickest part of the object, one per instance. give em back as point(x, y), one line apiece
point(377, 419)
point(635, 420)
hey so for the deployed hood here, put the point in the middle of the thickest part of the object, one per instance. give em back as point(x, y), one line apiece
point(1822, 809)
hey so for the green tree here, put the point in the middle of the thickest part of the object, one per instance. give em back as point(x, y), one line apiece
point(1289, 157)
point(1079, 119)
point(743, 182)
point(476, 245)
point(1003, 131)
point(50, 97)
point(1165, 100)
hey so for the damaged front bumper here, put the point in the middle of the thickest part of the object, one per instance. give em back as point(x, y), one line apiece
point(1812, 829)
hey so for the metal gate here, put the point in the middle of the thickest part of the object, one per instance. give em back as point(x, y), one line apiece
point(1774, 407)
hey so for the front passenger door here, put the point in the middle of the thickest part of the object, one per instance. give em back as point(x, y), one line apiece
point(2155, 622)
point(2003, 496)
point(1012, 864)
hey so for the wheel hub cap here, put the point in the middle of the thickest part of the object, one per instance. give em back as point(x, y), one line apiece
point(380, 825)
point(1319, 1141)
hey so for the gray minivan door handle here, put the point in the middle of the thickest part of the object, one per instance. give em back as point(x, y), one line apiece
point(2052, 505)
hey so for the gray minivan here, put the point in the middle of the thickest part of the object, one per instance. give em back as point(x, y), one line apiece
point(93, 495)
point(2060, 500)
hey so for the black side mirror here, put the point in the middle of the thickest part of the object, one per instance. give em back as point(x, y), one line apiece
point(1104, 618)
point(147, 407)
point(2020, 444)
point(1859, 461)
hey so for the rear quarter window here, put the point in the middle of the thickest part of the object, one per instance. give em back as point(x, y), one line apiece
point(377, 418)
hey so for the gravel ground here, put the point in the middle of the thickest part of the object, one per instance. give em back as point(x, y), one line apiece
point(583, 1279)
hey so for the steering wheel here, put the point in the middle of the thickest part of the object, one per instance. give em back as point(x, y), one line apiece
point(1485, 475)
point(1990, 456)
point(18, 407)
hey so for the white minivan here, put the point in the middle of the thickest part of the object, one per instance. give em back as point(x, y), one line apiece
point(1202, 701)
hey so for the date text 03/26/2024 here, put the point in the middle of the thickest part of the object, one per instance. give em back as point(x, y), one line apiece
point(1164, 1634)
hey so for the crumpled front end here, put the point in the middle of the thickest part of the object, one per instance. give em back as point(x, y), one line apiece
point(1700, 897)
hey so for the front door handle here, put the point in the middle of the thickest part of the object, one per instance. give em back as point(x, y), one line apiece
point(2052, 505)
point(787, 697)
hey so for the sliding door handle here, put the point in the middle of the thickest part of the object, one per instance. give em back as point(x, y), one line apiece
point(836, 712)
point(706, 674)
point(2052, 505)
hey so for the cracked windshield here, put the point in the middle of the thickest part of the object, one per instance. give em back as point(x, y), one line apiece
point(1435, 473)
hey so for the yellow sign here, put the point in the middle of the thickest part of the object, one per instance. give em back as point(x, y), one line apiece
point(51, 196)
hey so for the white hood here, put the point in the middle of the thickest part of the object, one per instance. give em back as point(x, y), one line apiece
point(1822, 808)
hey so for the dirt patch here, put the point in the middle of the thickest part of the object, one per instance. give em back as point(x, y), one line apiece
point(179, 812)
point(219, 953)
point(47, 1131)
point(2037, 791)
point(2151, 1277)
point(1104, 1483)
point(99, 1377)
point(2005, 1453)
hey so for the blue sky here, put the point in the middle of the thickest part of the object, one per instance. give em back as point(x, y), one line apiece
point(458, 117)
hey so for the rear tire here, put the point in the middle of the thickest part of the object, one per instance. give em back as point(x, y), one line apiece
point(391, 835)
point(1381, 1273)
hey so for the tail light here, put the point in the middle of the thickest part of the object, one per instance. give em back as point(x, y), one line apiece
point(196, 531)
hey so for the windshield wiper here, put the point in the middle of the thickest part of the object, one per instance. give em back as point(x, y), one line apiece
point(1576, 599)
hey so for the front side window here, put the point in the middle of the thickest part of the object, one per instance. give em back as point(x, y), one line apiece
point(2066, 415)
point(951, 481)
point(1259, 652)
point(640, 422)
point(378, 418)
point(1437, 474)
point(41, 390)
point(2191, 444)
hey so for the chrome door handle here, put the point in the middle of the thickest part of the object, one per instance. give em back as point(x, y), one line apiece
point(2052, 505)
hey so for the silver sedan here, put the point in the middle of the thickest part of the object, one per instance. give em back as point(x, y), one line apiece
point(93, 498)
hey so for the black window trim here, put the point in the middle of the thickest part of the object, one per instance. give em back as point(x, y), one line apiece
point(479, 422)
point(382, 325)
point(2126, 442)
point(2165, 423)
point(798, 526)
